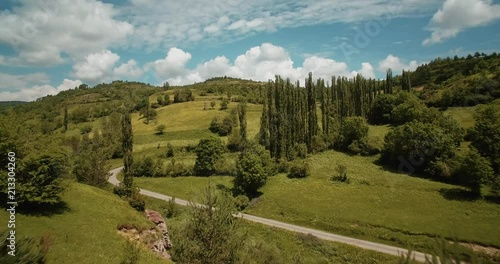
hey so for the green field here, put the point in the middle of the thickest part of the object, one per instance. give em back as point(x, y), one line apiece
point(185, 124)
point(377, 205)
point(85, 230)
point(265, 244)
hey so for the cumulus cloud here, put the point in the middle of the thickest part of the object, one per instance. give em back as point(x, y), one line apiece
point(457, 15)
point(41, 31)
point(172, 67)
point(396, 65)
point(366, 70)
point(260, 63)
point(37, 91)
point(97, 67)
point(129, 70)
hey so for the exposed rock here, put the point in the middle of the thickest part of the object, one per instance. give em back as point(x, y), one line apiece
point(150, 237)
point(157, 239)
point(156, 218)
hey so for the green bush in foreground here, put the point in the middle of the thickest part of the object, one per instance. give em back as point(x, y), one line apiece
point(209, 236)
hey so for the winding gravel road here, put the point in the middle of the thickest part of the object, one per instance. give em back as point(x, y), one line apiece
point(421, 257)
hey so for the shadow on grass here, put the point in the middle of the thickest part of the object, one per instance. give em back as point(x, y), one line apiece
point(492, 199)
point(458, 195)
point(43, 210)
point(223, 187)
point(385, 167)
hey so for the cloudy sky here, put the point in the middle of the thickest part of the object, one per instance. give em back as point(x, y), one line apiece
point(54, 45)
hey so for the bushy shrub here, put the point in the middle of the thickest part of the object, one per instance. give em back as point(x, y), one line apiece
point(215, 125)
point(208, 153)
point(170, 150)
point(341, 174)
point(170, 208)
point(177, 169)
point(137, 202)
point(300, 151)
point(366, 146)
point(252, 169)
point(225, 166)
point(413, 146)
point(225, 127)
point(351, 129)
point(147, 167)
point(224, 103)
point(160, 129)
point(241, 201)
point(222, 128)
point(474, 171)
point(299, 169)
point(121, 191)
point(234, 141)
point(318, 144)
point(183, 95)
point(85, 129)
point(382, 106)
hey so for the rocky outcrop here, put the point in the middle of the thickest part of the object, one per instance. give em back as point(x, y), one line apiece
point(156, 218)
point(157, 238)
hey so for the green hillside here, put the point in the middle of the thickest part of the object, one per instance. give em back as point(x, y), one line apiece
point(84, 230)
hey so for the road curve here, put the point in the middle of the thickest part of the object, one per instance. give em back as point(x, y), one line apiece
point(418, 256)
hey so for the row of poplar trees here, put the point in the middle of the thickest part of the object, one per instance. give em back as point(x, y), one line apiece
point(289, 115)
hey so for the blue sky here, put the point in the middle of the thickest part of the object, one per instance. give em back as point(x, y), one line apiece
point(54, 45)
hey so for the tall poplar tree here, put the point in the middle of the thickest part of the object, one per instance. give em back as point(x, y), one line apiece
point(242, 114)
point(127, 142)
point(65, 121)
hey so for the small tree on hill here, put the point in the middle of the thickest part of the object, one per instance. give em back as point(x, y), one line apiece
point(160, 129)
point(38, 180)
point(212, 104)
point(208, 153)
point(474, 171)
point(224, 103)
point(208, 235)
point(486, 134)
point(352, 129)
point(253, 168)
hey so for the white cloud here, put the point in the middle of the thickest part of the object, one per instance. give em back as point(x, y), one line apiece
point(97, 67)
point(128, 70)
point(366, 70)
point(172, 67)
point(8, 81)
point(396, 65)
point(37, 91)
point(259, 63)
point(162, 24)
point(41, 31)
point(458, 15)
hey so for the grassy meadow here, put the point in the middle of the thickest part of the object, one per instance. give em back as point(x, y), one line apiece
point(85, 229)
point(265, 244)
